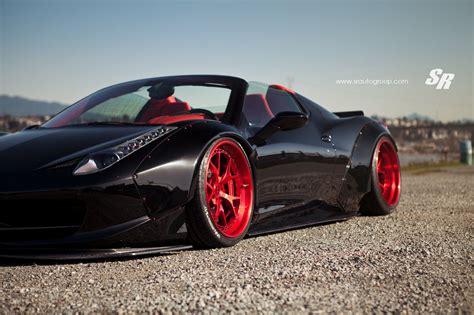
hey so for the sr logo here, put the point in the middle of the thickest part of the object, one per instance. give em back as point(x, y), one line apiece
point(443, 80)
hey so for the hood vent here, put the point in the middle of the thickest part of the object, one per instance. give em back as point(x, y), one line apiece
point(67, 164)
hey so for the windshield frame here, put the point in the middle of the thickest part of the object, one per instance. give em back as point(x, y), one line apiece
point(237, 86)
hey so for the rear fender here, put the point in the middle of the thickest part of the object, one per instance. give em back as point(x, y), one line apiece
point(357, 181)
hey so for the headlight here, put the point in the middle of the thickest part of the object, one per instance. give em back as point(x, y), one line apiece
point(101, 160)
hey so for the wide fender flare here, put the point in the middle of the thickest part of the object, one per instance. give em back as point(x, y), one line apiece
point(167, 177)
point(357, 181)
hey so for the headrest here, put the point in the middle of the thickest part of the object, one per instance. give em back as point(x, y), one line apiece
point(160, 91)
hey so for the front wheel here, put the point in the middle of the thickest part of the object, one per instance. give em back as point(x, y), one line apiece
point(222, 209)
point(385, 178)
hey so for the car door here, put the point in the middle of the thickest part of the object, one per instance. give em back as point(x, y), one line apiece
point(293, 168)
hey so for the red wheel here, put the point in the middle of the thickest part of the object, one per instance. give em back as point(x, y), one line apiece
point(221, 213)
point(388, 172)
point(386, 180)
point(229, 189)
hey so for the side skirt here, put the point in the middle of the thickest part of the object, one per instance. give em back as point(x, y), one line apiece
point(59, 255)
point(299, 218)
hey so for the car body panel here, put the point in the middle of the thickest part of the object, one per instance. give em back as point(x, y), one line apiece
point(314, 174)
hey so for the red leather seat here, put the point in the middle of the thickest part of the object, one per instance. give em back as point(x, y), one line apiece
point(165, 120)
point(256, 109)
point(165, 107)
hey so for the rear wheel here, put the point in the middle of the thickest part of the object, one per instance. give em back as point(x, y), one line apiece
point(221, 211)
point(386, 180)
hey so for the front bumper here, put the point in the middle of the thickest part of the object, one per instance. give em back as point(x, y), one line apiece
point(68, 216)
point(91, 217)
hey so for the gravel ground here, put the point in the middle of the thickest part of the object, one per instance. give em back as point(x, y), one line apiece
point(418, 259)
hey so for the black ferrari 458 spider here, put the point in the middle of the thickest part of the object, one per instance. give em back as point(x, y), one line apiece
point(158, 164)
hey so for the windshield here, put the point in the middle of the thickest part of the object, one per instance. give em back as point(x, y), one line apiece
point(155, 103)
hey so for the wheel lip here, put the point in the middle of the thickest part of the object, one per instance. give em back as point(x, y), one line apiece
point(393, 155)
point(245, 222)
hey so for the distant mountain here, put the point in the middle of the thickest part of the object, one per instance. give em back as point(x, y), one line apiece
point(19, 106)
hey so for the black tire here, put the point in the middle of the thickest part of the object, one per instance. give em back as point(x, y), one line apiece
point(203, 232)
point(374, 202)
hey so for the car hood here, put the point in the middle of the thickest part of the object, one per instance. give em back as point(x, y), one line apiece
point(30, 150)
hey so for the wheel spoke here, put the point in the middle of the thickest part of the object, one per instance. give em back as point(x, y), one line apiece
point(228, 197)
point(227, 173)
point(382, 187)
point(222, 212)
point(217, 211)
point(213, 168)
point(231, 200)
point(392, 190)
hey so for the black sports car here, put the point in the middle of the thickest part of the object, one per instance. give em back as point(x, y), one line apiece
point(204, 160)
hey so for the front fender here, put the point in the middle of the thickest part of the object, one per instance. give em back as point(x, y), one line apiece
point(166, 177)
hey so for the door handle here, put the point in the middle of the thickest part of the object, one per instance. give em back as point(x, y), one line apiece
point(326, 138)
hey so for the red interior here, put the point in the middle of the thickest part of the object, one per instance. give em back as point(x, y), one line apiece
point(165, 120)
point(283, 88)
point(165, 107)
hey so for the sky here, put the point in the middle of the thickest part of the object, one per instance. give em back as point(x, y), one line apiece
point(64, 50)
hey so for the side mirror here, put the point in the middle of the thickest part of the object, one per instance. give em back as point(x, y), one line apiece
point(283, 121)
